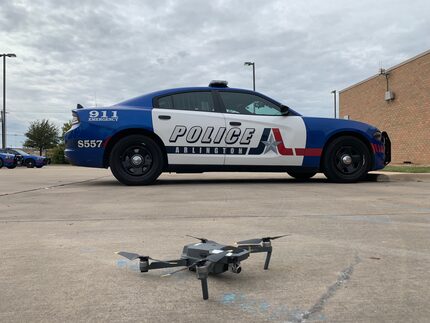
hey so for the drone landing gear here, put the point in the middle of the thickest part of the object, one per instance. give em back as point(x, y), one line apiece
point(205, 288)
point(202, 275)
point(266, 263)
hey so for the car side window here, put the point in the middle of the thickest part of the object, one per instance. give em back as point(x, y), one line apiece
point(244, 103)
point(193, 101)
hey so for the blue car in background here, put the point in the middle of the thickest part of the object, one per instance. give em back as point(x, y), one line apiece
point(7, 160)
point(26, 159)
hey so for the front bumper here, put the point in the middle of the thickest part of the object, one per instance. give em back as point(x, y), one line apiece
point(381, 151)
point(387, 148)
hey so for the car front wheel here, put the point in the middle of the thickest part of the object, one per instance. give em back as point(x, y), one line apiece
point(30, 163)
point(136, 160)
point(1, 163)
point(346, 160)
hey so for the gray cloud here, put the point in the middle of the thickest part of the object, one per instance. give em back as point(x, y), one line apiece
point(105, 52)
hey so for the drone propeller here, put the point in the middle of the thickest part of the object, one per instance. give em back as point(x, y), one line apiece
point(213, 258)
point(257, 241)
point(133, 256)
point(203, 240)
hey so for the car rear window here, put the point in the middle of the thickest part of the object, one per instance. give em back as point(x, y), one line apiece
point(193, 101)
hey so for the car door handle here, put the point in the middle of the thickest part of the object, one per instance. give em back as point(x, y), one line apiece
point(235, 123)
point(164, 117)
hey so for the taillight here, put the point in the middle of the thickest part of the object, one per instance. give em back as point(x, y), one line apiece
point(75, 118)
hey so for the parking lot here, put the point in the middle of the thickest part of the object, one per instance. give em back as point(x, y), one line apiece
point(357, 252)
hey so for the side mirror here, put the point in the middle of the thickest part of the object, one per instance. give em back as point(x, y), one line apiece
point(284, 110)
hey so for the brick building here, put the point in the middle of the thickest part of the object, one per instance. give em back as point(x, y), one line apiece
point(396, 100)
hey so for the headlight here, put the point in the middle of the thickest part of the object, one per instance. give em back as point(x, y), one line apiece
point(378, 135)
point(75, 118)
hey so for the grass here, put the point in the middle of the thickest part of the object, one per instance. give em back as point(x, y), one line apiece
point(407, 169)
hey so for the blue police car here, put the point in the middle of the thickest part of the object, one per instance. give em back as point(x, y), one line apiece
point(26, 159)
point(7, 160)
point(217, 128)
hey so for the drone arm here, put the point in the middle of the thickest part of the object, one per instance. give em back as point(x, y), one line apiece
point(260, 248)
point(168, 264)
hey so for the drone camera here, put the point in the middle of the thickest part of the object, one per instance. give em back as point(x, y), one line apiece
point(236, 268)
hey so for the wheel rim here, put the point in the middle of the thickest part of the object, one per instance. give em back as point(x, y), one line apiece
point(136, 160)
point(349, 160)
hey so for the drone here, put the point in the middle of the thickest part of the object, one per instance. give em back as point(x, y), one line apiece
point(208, 257)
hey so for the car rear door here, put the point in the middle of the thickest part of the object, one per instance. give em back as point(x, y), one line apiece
point(267, 137)
point(191, 127)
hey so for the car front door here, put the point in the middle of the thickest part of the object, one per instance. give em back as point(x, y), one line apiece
point(191, 127)
point(258, 126)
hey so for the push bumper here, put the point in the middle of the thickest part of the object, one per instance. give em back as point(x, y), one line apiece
point(387, 150)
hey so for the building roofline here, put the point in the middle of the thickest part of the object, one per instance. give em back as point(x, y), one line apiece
point(388, 69)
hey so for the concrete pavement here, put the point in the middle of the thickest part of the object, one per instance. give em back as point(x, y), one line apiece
point(357, 252)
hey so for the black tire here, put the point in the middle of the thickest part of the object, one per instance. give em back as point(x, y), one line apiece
point(346, 160)
point(301, 176)
point(1, 163)
point(30, 163)
point(39, 166)
point(12, 166)
point(136, 160)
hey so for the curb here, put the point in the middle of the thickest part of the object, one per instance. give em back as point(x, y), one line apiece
point(398, 177)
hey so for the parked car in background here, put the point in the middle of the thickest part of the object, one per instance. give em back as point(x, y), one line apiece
point(7, 160)
point(26, 159)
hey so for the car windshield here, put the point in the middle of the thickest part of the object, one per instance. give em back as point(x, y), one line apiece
point(21, 152)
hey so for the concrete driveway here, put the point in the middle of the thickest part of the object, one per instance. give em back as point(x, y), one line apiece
point(357, 252)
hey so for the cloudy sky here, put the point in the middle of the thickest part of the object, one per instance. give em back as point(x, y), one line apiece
point(101, 52)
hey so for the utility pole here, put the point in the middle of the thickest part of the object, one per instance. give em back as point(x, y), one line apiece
point(3, 119)
point(334, 102)
point(253, 73)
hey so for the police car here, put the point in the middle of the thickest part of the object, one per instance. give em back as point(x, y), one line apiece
point(25, 159)
point(217, 128)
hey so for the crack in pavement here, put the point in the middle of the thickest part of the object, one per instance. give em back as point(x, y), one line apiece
point(343, 277)
point(52, 186)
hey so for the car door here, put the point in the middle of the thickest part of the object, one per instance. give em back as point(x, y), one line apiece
point(268, 137)
point(191, 127)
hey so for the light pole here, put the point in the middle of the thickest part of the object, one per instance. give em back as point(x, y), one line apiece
point(334, 102)
point(253, 72)
point(3, 119)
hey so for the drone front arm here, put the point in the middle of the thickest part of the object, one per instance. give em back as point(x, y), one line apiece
point(259, 248)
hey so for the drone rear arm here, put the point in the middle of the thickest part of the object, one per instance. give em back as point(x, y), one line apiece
point(145, 265)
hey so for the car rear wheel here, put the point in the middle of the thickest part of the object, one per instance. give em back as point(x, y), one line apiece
point(346, 160)
point(302, 176)
point(136, 160)
point(1, 163)
point(30, 163)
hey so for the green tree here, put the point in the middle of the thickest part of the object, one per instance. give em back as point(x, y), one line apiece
point(41, 134)
point(57, 154)
point(66, 127)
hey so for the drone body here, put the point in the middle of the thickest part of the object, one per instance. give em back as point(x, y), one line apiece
point(208, 257)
